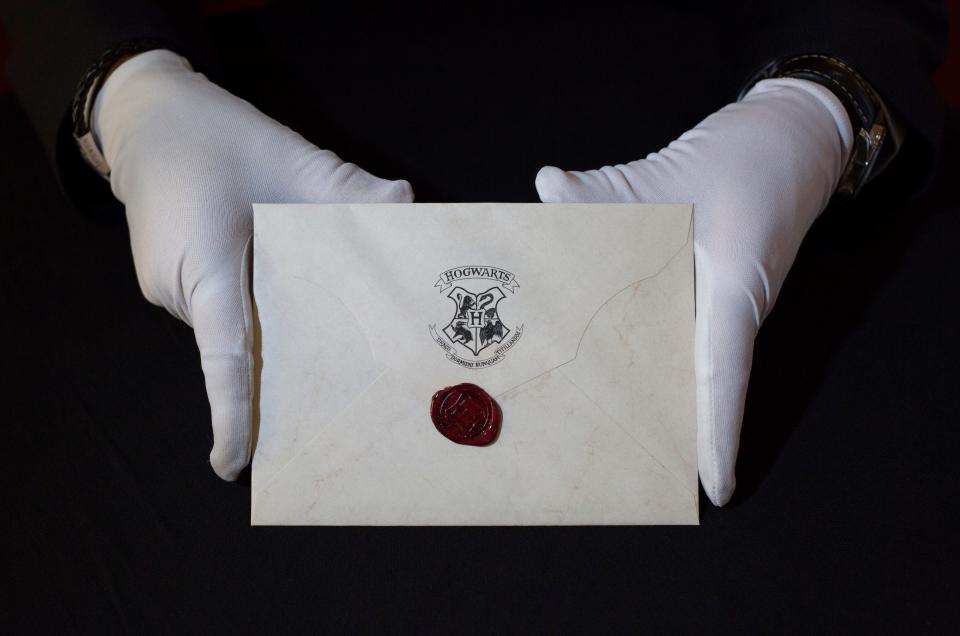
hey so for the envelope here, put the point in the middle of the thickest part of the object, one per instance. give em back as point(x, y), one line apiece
point(576, 319)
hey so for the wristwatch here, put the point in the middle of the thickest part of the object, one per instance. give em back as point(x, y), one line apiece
point(879, 135)
point(86, 93)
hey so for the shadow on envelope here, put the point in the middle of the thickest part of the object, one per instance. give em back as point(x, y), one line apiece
point(578, 319)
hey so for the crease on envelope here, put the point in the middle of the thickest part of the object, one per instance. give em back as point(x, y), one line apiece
point(600, 308)
point(266, 260)
point(331, 421)
point(302, 446)
point(627, 432)
point(356, 318)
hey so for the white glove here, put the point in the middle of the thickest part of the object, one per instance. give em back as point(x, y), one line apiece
point(758, 172)
point(188, 159)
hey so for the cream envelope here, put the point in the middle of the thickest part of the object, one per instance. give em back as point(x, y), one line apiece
point(577, 319)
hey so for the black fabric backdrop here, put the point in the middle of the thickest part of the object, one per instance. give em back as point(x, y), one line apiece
point(844, 518)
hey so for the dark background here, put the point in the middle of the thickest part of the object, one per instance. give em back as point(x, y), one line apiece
point(845, 514)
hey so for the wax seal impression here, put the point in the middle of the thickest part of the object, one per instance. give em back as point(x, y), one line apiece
point(465, 414)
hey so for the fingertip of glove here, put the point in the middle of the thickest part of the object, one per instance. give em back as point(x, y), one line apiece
point(227, 465)
point(402, 191)
point(719, 492)
point(717, 465)
point(549, 182)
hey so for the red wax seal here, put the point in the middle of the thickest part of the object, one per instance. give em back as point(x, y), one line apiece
point(465, 414)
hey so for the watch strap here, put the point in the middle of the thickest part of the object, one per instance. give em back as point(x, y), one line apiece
point(877, 134)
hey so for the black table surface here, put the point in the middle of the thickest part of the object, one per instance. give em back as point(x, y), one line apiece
point(844, 518)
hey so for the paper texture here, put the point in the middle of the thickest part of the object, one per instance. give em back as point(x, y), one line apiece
point(577, 319)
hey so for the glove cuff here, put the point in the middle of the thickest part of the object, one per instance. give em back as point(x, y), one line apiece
point(877, 134)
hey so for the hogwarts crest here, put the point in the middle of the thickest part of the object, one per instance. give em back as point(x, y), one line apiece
point(475, 336)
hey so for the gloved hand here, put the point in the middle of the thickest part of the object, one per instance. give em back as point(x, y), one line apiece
point(188, 159)
point(758, 172)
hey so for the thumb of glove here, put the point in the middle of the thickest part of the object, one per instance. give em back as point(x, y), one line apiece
point(222, 322)
point(728, 319)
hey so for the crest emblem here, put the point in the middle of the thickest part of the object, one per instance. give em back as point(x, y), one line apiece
point(476, 324)
point(476, 336)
